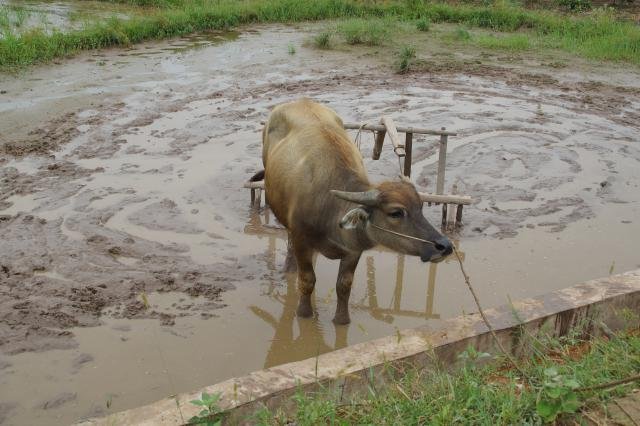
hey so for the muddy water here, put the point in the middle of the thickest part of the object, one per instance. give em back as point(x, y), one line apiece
point(134, 268)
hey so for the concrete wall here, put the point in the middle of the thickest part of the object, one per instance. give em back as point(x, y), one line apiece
point(598, 305)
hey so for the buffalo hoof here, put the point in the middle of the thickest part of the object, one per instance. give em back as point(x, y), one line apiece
point(341, 319)
point(304, 310)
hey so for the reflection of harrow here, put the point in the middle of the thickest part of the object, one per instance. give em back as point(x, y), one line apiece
point(260, 229)
point(451, 203)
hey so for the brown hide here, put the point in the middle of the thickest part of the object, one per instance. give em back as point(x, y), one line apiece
point(306, 153)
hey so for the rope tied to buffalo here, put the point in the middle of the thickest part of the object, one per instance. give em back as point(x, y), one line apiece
point(358, 138)
point(473, 293)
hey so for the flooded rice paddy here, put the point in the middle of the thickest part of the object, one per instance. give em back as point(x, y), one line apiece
point(133, 268)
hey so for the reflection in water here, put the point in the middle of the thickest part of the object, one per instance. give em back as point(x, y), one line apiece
point(311, 339)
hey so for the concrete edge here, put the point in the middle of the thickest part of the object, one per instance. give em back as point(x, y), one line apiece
point(353, 369)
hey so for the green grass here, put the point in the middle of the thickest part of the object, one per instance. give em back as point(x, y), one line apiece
point(21, 15)
point(322, 40)
point(488, 395)
point(371, 32)
point(5, 20)
point(406, 57)
point(574, 5)
point(12, 17)
point(508, 42)
point(150, 3)
point(461, 34)
point(597, 36)
point(423, 24)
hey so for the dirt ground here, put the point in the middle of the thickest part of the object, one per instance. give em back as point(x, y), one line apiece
point(121, 171)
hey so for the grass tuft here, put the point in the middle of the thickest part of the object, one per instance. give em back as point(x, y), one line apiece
point(514, 42)
point(371, 32)
point(461, 34)
point(423, 24)
point(406, 57)
point(322, 40)
point(574, 5)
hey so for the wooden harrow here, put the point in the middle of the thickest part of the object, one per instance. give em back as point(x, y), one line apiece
point(451, 203)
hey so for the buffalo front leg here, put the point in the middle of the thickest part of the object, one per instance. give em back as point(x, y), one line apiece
point(306, 279)
point(343, 287)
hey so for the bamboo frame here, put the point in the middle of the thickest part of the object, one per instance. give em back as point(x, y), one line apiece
point(451, 203)
point(424, 196)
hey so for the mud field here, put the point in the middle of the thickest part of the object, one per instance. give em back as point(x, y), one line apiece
point(132, 268)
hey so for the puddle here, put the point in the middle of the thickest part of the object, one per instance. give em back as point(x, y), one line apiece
point(147, 274)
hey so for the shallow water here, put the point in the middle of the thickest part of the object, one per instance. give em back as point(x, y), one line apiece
point(158, 157)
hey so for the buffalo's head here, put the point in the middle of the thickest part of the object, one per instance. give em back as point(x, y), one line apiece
point(391, 215)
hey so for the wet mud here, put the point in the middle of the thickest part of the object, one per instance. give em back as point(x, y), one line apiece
point(132, 267)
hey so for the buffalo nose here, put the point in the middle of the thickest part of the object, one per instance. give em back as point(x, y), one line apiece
point(444, 245)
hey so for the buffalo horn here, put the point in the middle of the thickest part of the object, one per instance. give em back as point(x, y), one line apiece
point(366, 198)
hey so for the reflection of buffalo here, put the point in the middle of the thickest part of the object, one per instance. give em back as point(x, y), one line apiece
point(317, 187)
point(310, 340)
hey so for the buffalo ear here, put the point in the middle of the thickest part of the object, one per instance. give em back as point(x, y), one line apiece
point(354, 218)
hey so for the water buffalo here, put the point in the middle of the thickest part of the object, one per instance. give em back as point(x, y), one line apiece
point(317, 187)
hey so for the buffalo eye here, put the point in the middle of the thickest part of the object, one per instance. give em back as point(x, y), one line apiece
point(397, 214)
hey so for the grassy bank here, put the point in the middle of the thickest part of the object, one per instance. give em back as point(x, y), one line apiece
point(488, 395)
point(598, 36)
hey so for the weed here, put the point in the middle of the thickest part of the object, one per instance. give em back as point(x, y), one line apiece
point(513, 42)
point(151, 3)
point(5, 22)
point(322, 40)
point(574, 5)
point(557, 396)
point(21, 15)
point(423, 24)
point(405, 59)
point(210, 415)
point(291, 49)
point(372, 32)
point(461, 34)
point(470, 356)
point(629, 316)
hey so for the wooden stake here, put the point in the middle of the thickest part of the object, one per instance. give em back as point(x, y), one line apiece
point(451, 209)
point(444, 214)
point(459, 215)
point(408, 146)
point(377, 147)
point(442, 161)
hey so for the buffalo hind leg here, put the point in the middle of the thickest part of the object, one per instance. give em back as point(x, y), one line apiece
point(290, 260)
point(306, 279)
point(343, 287)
